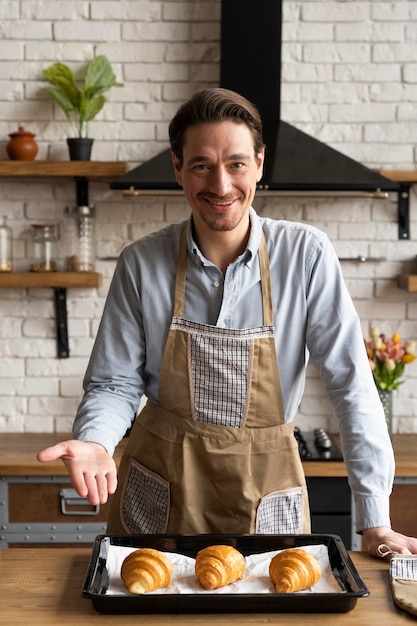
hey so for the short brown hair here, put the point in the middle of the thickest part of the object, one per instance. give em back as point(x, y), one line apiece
point(214, 105)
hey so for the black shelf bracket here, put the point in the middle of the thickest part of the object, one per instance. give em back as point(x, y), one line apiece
point(82, 190)
point(404, 211)
point(60, 293)
point(61, 322)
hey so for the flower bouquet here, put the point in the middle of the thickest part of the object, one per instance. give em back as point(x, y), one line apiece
point(388, 358)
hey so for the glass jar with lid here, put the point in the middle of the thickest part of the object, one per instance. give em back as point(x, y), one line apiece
point(79, 241)
point(6, 236)
point(44, 248)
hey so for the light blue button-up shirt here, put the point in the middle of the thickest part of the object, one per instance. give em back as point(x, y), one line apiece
point(314, 317)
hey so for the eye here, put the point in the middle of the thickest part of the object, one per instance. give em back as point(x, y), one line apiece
point(199, 167)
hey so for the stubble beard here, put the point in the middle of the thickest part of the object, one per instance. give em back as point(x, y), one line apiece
point(223, 222)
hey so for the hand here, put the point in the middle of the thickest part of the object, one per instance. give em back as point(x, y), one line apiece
point(397, 542)
point(91, 469)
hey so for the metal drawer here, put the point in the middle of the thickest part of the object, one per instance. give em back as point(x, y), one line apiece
point(45, 509)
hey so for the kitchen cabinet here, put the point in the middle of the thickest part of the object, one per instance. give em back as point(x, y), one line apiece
point(37, 503)
point(403, 507)
point(45, 510)
point(81, 172)
point(331, 508)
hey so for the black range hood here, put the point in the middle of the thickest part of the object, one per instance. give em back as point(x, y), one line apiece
point(251, 65)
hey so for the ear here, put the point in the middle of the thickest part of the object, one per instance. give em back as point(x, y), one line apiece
point(260, 164)
point(177, 168)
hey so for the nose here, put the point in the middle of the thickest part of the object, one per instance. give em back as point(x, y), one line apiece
point(220, 181)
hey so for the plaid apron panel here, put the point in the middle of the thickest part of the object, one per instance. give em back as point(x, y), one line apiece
point(404, 568)
point(281, 512)
point(145, 501)
point(220, 371)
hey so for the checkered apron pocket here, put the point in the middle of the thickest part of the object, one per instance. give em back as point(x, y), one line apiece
point(220, 365)
point(281, 512)
point(145, 501)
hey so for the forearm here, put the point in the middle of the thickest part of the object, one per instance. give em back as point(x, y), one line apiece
point(103, 418)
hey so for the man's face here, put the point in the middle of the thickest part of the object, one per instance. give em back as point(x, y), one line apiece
point(219, 173)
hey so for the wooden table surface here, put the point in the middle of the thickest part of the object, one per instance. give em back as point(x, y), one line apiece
point(18, 456)
point(42, 587)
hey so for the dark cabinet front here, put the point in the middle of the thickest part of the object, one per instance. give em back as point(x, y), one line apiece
point(331, 507)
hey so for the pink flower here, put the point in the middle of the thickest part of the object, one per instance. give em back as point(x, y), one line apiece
point(388, 357)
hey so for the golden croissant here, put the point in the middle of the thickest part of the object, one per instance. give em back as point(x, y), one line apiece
point(294, 569)
point(217, 566)
point(145, 570)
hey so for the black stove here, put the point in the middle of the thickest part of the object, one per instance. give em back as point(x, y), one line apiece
point(317, 445)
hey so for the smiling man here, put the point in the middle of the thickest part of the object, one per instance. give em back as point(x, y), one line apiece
point(214, 320)
point(218, 164)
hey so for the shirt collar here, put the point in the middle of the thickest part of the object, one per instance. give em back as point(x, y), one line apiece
point(251, 249)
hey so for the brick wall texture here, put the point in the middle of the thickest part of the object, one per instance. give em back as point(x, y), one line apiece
point(349, 78)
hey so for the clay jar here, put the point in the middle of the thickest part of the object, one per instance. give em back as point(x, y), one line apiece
point(22, 145)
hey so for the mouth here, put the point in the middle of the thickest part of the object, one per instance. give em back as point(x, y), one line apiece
point(220, 205)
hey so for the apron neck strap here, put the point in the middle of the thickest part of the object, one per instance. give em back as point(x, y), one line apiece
point(264, 270)
point(179, 302)
point(265, 282)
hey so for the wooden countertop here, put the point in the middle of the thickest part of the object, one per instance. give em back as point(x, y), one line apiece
point(18, 456)
point(42, 587)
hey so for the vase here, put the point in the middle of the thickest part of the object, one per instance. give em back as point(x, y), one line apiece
point(386, 401)
point(80, 148)
point(22, 145)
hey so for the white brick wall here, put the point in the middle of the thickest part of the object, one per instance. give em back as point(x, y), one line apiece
point(349, 79)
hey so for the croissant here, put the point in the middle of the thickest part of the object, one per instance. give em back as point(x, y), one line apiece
point(217, 566)
point(145, 570)
point(294, 569)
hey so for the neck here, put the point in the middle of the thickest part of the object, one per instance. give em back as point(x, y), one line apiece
point(222, 247)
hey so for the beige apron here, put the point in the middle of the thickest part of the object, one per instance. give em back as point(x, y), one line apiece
point(214, 456)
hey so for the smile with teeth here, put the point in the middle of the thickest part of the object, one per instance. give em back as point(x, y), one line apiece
point(220, 202)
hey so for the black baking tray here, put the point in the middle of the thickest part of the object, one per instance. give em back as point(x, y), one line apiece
point(351, 584)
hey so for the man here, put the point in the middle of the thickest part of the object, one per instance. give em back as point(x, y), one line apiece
point(213, 319)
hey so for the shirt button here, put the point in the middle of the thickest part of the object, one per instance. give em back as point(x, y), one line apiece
point(216, 283)
point(222, 325)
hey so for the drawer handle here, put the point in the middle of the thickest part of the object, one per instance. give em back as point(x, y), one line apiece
point(70, 498)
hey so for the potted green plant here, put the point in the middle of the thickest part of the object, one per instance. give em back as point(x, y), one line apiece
point(81, 105)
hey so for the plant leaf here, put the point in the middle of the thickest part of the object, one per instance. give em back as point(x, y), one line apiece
point(84, 104)
point(62, 78)
point(60, 99)
point(91, 107)
point(99, 77)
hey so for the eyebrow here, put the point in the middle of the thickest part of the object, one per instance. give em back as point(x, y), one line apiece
point(204, 159)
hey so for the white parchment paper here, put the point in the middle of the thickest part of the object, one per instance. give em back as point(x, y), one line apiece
point(255, 580)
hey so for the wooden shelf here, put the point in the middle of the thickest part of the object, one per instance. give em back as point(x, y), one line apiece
point(56, 280)
point(408, 282)
point(82, 172)
point(405, 178)
point(62, 169)
point(59, 282)
point(401, 176)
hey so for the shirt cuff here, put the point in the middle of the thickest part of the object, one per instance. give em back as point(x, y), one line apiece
point(371, 512)
point(90, 435)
